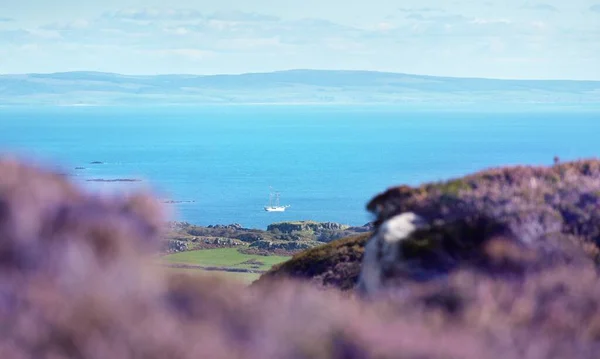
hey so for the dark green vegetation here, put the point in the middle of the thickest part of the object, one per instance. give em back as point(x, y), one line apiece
point(336, 264)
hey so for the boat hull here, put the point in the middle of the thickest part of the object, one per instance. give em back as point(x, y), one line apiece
point(275, 209)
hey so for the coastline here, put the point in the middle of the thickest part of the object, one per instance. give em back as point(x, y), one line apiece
point(285, 237)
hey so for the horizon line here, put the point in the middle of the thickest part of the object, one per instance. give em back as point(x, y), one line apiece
point(294, 70)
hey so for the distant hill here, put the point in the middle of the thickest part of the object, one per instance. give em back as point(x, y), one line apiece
point(294, 86)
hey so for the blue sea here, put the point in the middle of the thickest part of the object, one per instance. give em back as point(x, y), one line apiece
point(326, 161)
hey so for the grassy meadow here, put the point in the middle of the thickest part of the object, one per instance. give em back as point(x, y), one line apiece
point(226, 258)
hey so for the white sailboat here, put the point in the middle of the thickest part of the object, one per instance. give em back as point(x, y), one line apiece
point(277, 207)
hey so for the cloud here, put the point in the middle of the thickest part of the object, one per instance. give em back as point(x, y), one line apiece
point(447, 19)
point(421, 9)
point(432, 26)
point(19, 36)
point(437, 27)
point(305, 31)
point(45, 34)
point(220, 31)
point(233, 31)
point(179, 30)
point(541, 7)
point(250, 44)
point(242, 16)
point(416, 16)
point(480, 21)
point(73, 25)
point(539, 25)
point(190, 54)
point(154, 14)
point(244, 32)
point(25, 36)
point(318, 24)
point(385, 26)
point(595, 8)
point(310, 31)
point(189, 38)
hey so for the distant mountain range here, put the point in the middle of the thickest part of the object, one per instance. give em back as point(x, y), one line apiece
point(294, 86)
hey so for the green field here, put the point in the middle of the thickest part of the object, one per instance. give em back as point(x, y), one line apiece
point(225, 257)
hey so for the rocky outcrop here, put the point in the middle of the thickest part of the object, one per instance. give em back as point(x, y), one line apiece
point(175, 246)
point(251, 237)
point(234, 226)
point(301, 235)
point(526, 218)
point(362, 229)
point(305, 226)
point(284, 245)
point(222, 242)
point(315, 231)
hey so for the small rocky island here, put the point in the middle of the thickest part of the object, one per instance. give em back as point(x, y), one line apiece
point(170, 201)
point(283, 238)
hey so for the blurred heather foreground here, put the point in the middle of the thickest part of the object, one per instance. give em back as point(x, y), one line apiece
point(500, 264)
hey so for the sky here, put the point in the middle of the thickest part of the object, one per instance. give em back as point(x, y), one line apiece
point(552, 39)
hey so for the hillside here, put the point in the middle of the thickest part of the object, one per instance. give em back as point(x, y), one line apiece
point(336, 264)
point(294, 86)
point(548, 215)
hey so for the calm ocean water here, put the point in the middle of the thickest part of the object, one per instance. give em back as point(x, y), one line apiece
point(327, 162)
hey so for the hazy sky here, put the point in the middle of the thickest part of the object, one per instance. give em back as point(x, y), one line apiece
point(497, 38)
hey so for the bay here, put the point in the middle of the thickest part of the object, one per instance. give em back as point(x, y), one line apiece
point(327, 161)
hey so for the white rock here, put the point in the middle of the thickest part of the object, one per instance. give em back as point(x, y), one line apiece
point(383, 249)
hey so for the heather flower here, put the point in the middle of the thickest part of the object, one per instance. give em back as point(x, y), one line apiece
point(78, 279)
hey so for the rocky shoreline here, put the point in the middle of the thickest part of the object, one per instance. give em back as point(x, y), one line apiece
point(283, 238)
